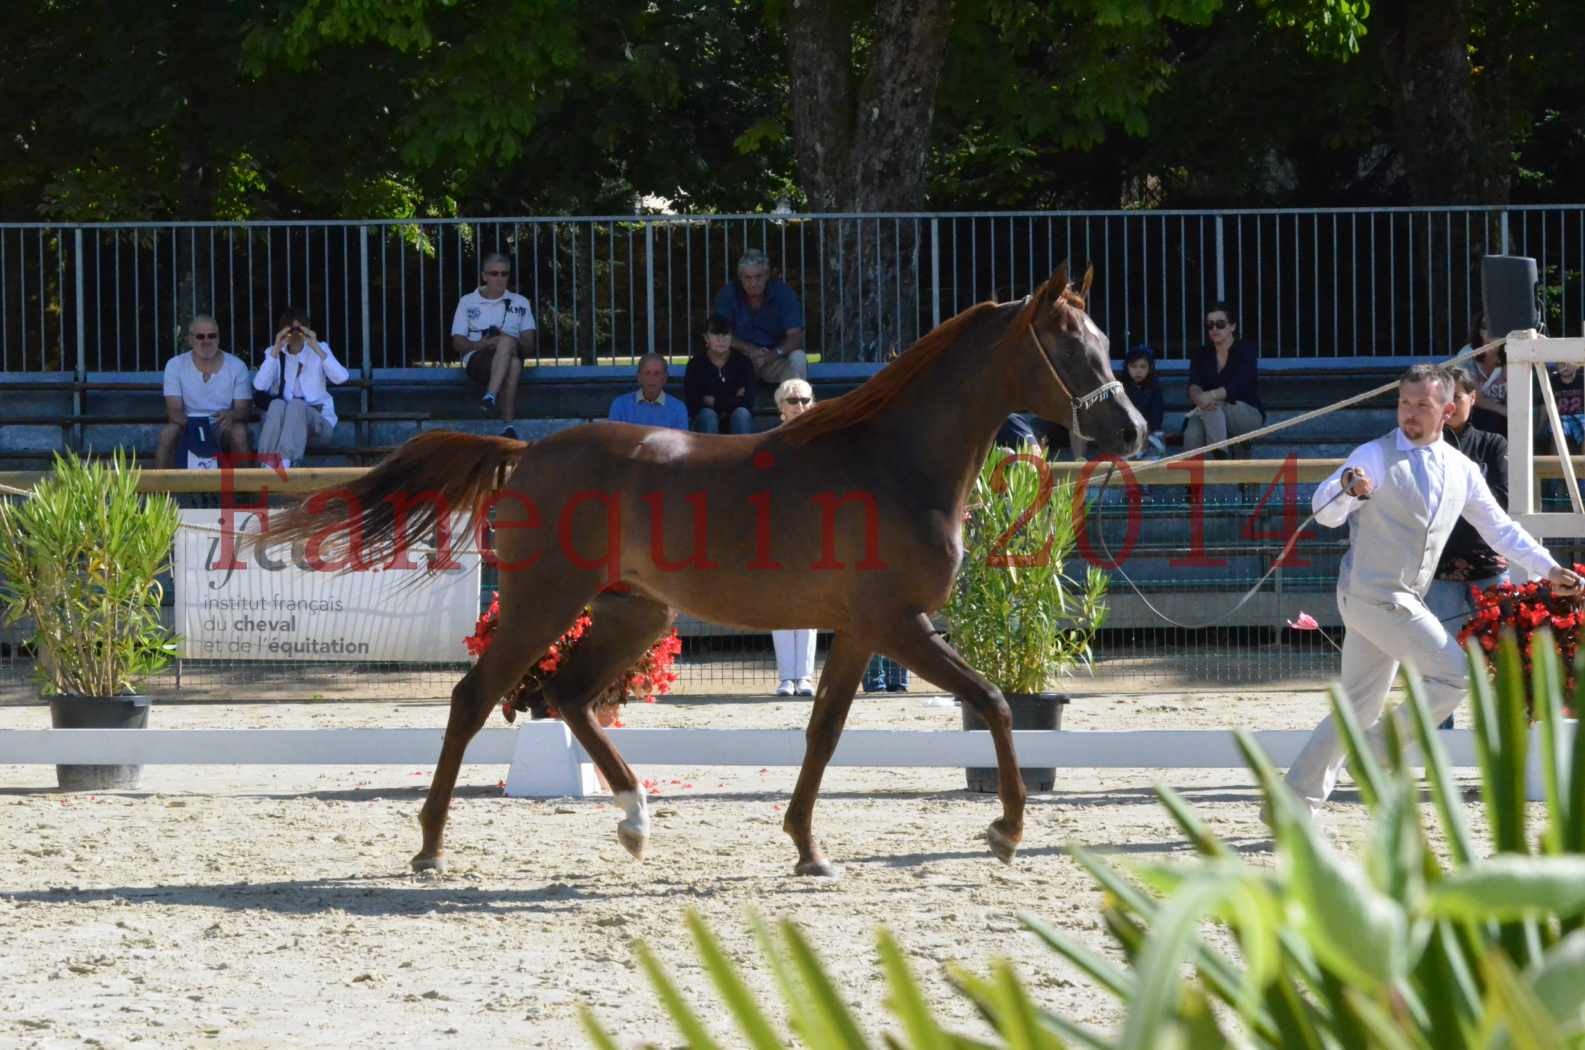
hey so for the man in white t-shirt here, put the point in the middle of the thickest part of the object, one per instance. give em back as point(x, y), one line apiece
point(491, 329)
point(205, 381)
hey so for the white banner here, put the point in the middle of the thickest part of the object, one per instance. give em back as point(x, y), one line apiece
point(255, 605)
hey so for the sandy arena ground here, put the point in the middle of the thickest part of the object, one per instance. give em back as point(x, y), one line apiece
point(273, 907)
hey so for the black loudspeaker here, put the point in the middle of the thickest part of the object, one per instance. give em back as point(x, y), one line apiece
point(1508, 292)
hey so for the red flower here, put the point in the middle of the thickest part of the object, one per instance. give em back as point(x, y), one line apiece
point(1524, 609)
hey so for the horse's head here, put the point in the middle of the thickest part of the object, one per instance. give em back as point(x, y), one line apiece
point(1074, 384)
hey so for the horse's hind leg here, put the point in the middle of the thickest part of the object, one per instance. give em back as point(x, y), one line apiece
point(834, 696)
point(624, 626)
point(525, 631)
point(917, 646)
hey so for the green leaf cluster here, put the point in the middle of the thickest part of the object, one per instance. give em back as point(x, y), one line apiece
point(80, 557)
point(1396, 949)
point(1017, 614)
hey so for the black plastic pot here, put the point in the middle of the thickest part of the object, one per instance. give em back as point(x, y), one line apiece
point(1030, 711)
point(96, 712)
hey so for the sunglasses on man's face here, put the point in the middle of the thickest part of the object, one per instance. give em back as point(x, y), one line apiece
point(497, 273)
point(204, 337)
point(797, 400)
point(1217, 326)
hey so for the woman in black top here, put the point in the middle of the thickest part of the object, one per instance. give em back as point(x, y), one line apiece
point(1223, 384)
point(718, 386)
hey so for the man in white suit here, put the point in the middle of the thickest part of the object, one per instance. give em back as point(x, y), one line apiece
point(1401, 495)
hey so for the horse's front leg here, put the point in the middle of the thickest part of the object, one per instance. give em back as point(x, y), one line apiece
point(833, 697)
point(919, 648)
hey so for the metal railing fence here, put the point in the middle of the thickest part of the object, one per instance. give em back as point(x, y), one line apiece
point(1306, 284)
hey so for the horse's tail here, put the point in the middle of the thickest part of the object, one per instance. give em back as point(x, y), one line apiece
point(381, 513)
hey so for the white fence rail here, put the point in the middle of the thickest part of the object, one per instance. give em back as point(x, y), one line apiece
point(546, 762)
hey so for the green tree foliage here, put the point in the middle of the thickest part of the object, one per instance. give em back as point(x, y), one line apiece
point(324, 108)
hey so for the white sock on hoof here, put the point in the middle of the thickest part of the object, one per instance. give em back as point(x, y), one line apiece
point(632, 803)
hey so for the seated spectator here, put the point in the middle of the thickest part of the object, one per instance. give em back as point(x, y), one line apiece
point(795, 649)
point(719, 384)
point(492, 329)
point(1569, 393)
point(1025, 428)
point(767, 320)
point(1468, 560)
point(208, 388)
point(648, 405)
point(885, 675)
point(300, 411)
point(1491, 381)
point(1223, 385)
point(1143, 389)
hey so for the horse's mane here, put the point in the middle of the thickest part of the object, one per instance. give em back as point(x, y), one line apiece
point(857, 405)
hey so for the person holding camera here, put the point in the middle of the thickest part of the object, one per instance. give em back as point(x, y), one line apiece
point(290, 388)
point(490, 329)
point(206, 400)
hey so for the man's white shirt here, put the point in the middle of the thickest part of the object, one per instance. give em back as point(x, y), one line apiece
point(1452, 475)
point(510, 313)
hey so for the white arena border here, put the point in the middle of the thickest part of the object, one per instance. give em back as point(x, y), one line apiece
point(546, 762)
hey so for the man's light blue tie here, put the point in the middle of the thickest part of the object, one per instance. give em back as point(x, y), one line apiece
point(1419, 462)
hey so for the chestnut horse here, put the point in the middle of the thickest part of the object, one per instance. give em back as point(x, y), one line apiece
point(847, 519)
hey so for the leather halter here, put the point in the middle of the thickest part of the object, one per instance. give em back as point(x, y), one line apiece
point(1111, 388)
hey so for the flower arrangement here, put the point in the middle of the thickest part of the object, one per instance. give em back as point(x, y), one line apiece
point(1524, 609)
point(650, 677)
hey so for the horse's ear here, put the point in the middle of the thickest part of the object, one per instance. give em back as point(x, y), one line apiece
point(1089, 278)
point(1059, 280)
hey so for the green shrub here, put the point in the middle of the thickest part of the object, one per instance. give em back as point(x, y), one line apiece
point(1016, 614)
point(80, 557)
point(1396, 949)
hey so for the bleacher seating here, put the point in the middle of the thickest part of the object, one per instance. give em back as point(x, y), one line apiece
point(40, 414)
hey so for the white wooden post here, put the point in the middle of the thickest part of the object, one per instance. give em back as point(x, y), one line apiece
point(548, 763)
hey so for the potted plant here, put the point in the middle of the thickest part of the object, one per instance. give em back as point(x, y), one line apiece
point(1016, 614)
point(81, 557)
point(1532, 611)
point(1538, 621)
point(650, 676)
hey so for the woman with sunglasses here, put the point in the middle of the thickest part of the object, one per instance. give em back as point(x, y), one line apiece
point(795, 649)
point(1223, 385)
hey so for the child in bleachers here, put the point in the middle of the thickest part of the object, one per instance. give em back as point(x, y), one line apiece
point(1569, 392)
point(1139, 380)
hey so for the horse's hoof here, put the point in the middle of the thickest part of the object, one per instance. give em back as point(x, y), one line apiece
point(820, 869)
point(1003, 845)
point(632, 840)
point(427, 863)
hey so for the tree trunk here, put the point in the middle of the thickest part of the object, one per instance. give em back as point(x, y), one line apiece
point(1453, 151)
point(861, 139)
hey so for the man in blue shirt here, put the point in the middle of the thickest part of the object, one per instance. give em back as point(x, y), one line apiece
point(767, 320)
point(648, 405)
